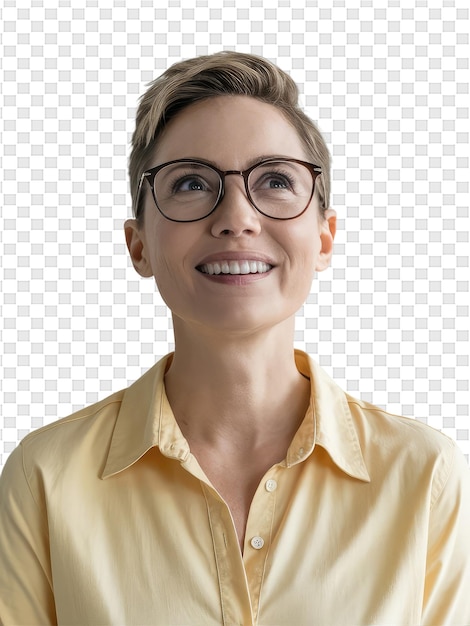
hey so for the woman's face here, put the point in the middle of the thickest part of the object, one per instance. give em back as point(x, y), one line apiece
point(231, 132)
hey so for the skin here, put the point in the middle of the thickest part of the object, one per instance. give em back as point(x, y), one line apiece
point(243, 396)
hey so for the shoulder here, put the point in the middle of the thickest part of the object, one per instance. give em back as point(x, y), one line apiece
point(79, 444)
point(102, 414)
point(392, 447)
point(379, 424)
point(78, 436)
point(392, 441)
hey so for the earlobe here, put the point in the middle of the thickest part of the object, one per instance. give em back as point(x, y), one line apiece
point(327, 235)
point(135, 240)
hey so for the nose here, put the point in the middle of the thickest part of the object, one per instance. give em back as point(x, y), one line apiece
point(235, 216)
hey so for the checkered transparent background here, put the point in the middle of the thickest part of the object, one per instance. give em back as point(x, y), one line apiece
point(388, 84)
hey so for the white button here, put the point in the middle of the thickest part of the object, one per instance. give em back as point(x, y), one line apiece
point(271, 485)
point(257, 543)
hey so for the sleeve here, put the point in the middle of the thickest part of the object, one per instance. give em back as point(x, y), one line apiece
point(447, 584)
point(26, 595)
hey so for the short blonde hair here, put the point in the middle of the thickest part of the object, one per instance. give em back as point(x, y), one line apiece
point(223, 73)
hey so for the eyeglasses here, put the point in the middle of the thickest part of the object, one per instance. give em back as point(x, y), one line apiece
point(186, 190)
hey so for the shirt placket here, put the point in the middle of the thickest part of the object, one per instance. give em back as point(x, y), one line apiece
point(259, 536)
point(233, 584)
point(241, 578)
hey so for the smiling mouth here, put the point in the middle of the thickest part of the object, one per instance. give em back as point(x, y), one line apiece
point(235, 267)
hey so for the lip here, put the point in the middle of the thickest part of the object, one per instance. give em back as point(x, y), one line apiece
point(239, 280)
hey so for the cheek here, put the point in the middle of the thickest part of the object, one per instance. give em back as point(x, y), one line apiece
point(159, 250)
point(170, 255)
point(303, 240)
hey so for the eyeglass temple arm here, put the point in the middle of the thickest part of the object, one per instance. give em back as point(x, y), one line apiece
point(139, 188)
point(141, 182)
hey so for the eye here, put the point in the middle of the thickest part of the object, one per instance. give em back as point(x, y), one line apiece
point(278, 181)
point(273, 179)
point(188, 183)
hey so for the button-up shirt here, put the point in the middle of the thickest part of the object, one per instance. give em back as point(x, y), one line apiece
point(106, 517)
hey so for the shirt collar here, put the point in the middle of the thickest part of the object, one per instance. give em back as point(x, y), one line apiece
point(145, 420)
point(139, 425)
point(328, 423)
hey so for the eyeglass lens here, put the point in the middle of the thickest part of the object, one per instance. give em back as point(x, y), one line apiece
point(189, 191)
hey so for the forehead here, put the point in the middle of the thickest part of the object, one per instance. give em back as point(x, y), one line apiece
point(229, 130)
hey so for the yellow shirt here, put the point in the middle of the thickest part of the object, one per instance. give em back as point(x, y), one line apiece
point(107, 518)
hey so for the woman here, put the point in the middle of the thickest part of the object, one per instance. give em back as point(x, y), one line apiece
point(234, 483)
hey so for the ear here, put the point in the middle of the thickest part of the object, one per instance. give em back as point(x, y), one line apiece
point(135, 239)
point(327, 235)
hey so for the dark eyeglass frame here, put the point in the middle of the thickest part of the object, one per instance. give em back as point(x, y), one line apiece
point(150, 174)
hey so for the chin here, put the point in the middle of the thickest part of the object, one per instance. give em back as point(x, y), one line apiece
point(235, 322)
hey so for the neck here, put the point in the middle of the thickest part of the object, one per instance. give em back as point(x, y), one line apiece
point(240, 389)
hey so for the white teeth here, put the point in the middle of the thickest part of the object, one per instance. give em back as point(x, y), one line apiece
point(244, 267)
point(235, 267)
